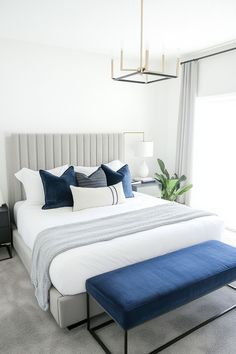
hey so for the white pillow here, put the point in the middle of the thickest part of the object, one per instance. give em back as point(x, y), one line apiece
point(32, 183)
point(115, 165)
point(85, 198)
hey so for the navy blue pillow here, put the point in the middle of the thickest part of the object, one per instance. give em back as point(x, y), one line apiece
point(57, 189)
point(124, 175)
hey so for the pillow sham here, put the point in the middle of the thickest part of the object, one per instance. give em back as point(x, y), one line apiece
point(33, 184)
point(114, 165)
point(57, 189)
point(85, 198)
point(123, 174)
point(95, 180)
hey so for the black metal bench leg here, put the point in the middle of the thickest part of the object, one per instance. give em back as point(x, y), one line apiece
point(126, 342)
point(162, 347)
point(93, 330)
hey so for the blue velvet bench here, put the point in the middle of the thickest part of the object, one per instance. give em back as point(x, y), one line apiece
point(145, 290)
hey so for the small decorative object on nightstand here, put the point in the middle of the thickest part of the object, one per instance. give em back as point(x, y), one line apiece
point(5, 230)
point(151, 188)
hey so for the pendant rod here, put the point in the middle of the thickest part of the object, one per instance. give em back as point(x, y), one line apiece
point(141, 37)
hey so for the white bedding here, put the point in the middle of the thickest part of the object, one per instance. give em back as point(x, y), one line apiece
point(69, 270)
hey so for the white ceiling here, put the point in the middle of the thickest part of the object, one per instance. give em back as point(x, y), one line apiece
point(103, 26)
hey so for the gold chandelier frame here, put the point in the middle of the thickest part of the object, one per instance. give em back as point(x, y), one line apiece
point(142, 72)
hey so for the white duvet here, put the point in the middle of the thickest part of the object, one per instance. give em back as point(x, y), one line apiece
point(69, 270)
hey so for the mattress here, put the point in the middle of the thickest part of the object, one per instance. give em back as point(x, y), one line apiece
point(70, 270)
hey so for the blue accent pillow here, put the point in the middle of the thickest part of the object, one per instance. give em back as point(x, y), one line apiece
point(57, 189)
point(122, 175)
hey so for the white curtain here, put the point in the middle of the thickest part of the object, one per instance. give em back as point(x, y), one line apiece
point(184, 148)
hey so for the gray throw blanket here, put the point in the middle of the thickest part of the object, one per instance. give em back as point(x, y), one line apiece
point(55, 240)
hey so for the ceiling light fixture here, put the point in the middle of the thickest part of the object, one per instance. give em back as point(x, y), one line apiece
point(142, 75)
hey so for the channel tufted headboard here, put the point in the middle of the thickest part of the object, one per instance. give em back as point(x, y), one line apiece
point(46, 151)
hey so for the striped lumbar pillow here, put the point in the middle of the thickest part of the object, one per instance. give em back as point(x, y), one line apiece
point(95, 180)
point(85, 198)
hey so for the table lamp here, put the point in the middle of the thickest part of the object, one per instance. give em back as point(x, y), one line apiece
point(144, 149)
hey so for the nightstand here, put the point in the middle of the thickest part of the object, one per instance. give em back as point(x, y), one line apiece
point(5, 230)
point(151, 188)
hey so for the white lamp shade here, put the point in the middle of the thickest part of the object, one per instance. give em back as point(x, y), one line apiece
point(144, 149)
point(2, 201)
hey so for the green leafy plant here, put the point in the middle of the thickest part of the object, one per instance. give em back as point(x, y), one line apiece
point(171, 187)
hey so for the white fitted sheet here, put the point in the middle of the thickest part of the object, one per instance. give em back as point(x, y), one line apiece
point(69, 270)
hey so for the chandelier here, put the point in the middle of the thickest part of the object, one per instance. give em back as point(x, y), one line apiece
point(142, 74)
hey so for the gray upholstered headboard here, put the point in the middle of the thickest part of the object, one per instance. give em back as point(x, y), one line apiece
point(46, 151)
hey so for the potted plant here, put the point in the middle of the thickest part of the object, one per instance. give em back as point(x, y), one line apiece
point(171, 187)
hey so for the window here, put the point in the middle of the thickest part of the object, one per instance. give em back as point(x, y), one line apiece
point(214, 157)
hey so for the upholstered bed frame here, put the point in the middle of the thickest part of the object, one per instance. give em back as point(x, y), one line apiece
point(46, 151)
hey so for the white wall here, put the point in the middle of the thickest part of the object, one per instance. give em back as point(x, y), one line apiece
point(50, 89)
point(163, 107)
point(217, 75)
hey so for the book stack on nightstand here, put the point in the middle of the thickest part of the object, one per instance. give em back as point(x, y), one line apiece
point(143, 179)
point(5, 231)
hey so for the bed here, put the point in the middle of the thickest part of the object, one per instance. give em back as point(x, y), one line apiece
point(69, 270)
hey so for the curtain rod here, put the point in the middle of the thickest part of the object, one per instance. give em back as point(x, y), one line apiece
point(208, 56)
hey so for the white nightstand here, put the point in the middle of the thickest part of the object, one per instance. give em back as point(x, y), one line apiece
point(151, 188)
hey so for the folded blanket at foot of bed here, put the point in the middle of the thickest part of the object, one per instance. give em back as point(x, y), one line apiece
point(53, 241)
